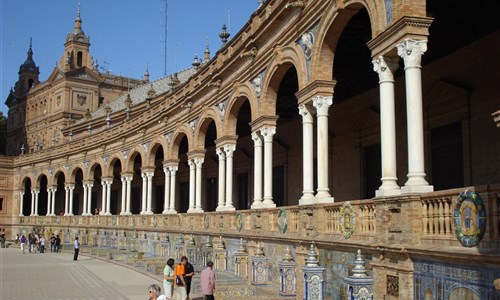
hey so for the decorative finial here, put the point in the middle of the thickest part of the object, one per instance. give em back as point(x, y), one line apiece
point(196, 62)
point(224, 35)
point(259, 251)
point(260, 2)
point(241, 247)
point(174, 80)
point(30, 50)
point(206, 58)
point(288, 257)
point(22, 149)
point(146, 73)
point(87, 114)
point(359, 269)
point(312, 259)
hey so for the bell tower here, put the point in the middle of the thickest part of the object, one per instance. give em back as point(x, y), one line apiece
point(76, 46)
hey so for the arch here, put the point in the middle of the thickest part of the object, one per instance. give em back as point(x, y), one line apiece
point(39, 178)
point(73, 172)
point(177, 137)
point(155, 144)
point(93, 166)
point(288, 56)
point(24, 181)
point(208, 116)
point(108, 169)
point(129, 163)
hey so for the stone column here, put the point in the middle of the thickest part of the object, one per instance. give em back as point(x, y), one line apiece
point(257, 172)
point(129, 193)
point(66, 200)
point(21, 204)
point(385, 68)
point(222, 178)
point(89, 198)
point(192, 183)
point(144, 192)
point(199, 163)
point(108, 197)
point(322, 104)
point(32, 203)
point(53, 208)
point(267, 133)
point(124, 195)
point(229, 150)
point(71, 188)
point(103, 197)
point(411, 51)
point(49, 200)
point(307, 156)
point(166, 202)
point(173, 170)
point(37, 193)
point(149, 210)
point(85, 198)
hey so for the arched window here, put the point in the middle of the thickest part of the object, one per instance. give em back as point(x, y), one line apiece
point(79, 57)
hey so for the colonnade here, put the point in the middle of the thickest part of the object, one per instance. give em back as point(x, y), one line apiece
point(410, 51)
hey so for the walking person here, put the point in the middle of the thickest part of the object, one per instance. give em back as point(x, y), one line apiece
point(23, 243)
point(42, 244)
point(155, 292)
point(189, 276)
point(77, 248)
point(180, 282)
point(52, 243)
point(207, 279)
point(168, 278)
point(57, 243)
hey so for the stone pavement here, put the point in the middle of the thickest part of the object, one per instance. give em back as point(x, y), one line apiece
point(56, 276)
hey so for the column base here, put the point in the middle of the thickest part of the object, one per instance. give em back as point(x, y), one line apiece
point(107, 214)
point(190, 210)
point(21, 215)
point(386, 191)
point(268, 203)
point(149, 212)
point(229, 208)
point(69, 215)
point(101, 213)
point(171, 212)
point(416, 189)
point(329, 199)
point(256, 204)
point(164, 212)
point(220, 208)
point(127, 213)
point(198, 210)
point(323, 196)
point(308, 199)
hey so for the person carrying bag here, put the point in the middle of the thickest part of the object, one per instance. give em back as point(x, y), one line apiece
point(180, 282)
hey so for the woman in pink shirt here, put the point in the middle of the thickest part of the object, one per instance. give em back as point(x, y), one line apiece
point(208, 281)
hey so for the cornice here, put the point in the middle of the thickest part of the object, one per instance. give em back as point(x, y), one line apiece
point(407, 27)
point(315, 88)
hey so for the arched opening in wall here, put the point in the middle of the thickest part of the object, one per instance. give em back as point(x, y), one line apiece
point(459, 70)
point(79, 58)
point(158, 201)
point(60, 194)
point(42, 196)
point(30, 83)
point(116, 189)
point(209, 200)
point(77, 208)
point(354, 122)
point(287, 152)
point(27, 197)
point(242, 158)
point(182, 205)
point(96, 191)
point(136, 191)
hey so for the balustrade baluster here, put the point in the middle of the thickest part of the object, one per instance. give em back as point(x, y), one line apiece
point(430, 214)
point(435, 218)
point(425, 219)
point(447, 216)
point(441, 216)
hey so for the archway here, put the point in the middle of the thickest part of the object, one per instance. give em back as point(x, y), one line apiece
point(27, 197)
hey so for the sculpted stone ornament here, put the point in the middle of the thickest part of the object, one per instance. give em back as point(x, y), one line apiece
point(283, 220)
point(347, 220)
point(469, 218)
point(411, 51)
point(385, 68)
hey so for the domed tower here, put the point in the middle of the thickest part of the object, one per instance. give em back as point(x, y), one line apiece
point(16, 102)
point(76, 46)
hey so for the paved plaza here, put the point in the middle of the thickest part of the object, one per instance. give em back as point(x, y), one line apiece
point(56, 276)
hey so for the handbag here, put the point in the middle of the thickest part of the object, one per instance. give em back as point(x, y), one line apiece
point(178, 280)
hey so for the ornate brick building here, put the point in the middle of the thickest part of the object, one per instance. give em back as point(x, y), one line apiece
point(350, 124)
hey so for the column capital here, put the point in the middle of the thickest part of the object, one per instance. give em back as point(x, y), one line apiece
point(257, 140)
point(70, 186)
point(198, 161)
point(191, 163)
point(306, 112)
point(36, 190)
point(385, 68)
point(267, 133)
point(173, 169)
point(166, 171)
point(150, 174)
point(322, 104)
point(229, 149)
point(411, 51)
point(220, 153)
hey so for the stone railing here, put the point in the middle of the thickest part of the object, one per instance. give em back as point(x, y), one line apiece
point(437, 216)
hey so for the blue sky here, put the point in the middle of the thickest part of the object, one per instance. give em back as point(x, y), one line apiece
point(125, 35)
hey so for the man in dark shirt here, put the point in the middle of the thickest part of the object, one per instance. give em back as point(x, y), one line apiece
point(189, 275)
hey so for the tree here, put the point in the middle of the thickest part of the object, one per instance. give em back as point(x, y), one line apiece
point(3, 133)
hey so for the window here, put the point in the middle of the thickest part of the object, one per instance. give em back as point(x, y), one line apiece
point(1, 204)
point(79, 58)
